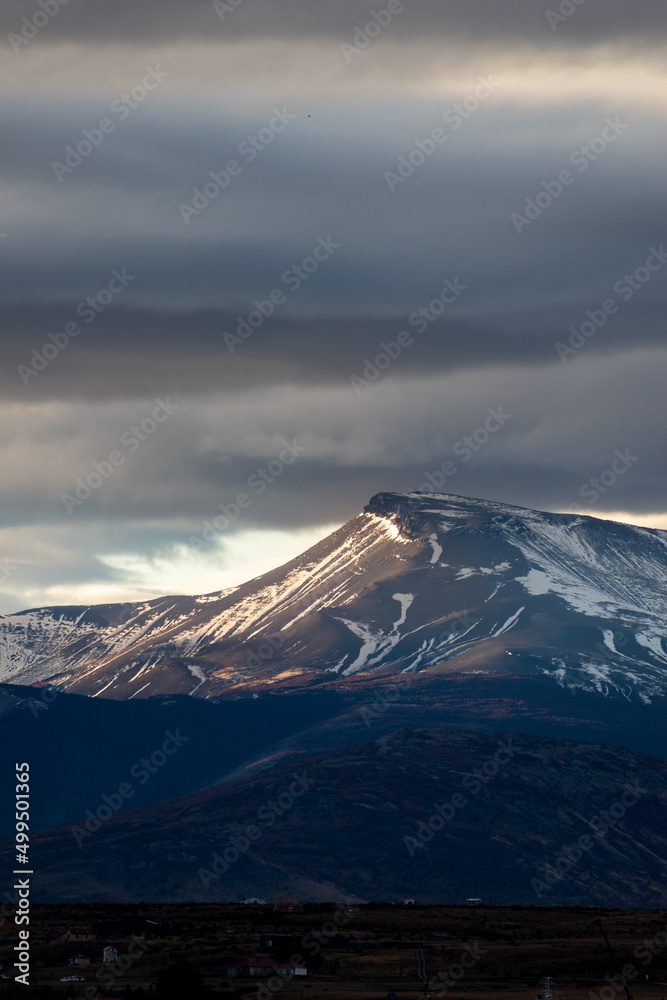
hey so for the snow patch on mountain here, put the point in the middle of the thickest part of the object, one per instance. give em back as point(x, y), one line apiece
point(653, 642)
point(376, 644)
point(405, 600)
point(199, 674)
point(437, 548)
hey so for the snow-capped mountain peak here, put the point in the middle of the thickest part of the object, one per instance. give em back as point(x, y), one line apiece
point(417, 582)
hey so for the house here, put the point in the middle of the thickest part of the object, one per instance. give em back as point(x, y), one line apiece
point(474, 901)
point(253, 899)
point(262, 965)
point(109, 954)
point(79, 960)
point(78, 934)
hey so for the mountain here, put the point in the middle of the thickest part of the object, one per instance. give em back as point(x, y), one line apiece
point(435, 815)
point(81, 748)
point(386, 659)
point(428, 584)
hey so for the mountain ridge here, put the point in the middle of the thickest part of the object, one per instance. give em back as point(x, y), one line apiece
point(403, 645)
point(416, 582)
point(434, 814)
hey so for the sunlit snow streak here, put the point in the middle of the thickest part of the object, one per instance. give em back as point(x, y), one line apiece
point(509, 623)
point(134, 695)
point(248, 616)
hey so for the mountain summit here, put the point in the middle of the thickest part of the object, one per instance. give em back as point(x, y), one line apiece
point(418, 583)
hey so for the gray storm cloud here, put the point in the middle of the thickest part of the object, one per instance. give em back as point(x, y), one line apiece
point(306, 293)
point(195, 281)
point(561, 424)
point(473, 20)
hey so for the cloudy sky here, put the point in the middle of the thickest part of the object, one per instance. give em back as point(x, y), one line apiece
point(214, 215)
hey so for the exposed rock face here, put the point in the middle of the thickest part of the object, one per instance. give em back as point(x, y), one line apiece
point(416, 582)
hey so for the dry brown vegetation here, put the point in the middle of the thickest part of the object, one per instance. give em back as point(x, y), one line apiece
point(376, 952)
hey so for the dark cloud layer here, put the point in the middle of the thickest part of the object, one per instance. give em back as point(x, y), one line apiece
point(472, 20)
point(553, 430)
point(451, 219)
point(135, 352)
point(339, 173)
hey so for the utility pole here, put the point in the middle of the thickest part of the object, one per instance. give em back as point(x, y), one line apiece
point(615, 961)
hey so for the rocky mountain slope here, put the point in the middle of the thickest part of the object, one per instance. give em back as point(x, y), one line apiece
point(432, 814)
point(386, 661)
point(417, 583)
